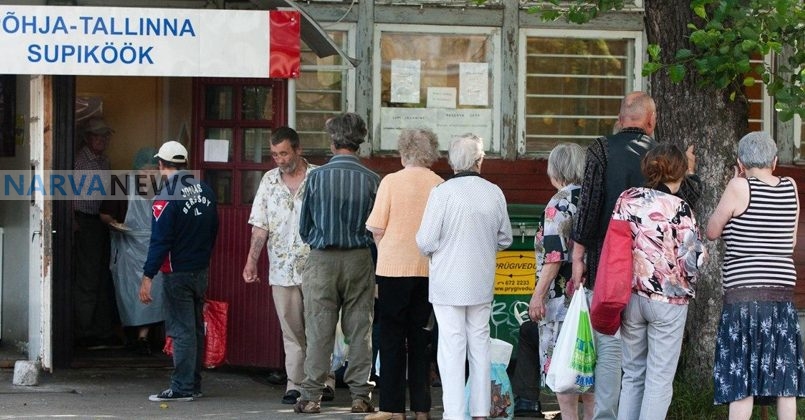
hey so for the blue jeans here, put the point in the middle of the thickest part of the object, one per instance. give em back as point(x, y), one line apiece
point(184, 305)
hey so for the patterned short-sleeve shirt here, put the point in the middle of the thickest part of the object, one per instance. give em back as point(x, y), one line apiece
point(552, 243)
point(276, 210)
point(666, 246)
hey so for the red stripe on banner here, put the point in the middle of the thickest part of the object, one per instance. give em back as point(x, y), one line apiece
point(284, 44)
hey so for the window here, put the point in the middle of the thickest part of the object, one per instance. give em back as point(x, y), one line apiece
point(760, 106)
point(324, 89)
point(235, 120)
point(442, 78)
point(573, 85)
point(799, 137)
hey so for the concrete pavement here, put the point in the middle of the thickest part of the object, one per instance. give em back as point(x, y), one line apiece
point(122, 393)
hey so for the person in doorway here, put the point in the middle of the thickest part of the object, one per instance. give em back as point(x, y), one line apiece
point(667, 253)
point(402, 277)
point(759, 352)
point(93, 297)
point(339, 273)
point(554, 252)
point(465, 224)
point(275, 222)
point(612, 165)
point(183, 232)
point(130, 220)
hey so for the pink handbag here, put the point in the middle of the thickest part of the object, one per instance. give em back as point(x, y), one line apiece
point(613, 281)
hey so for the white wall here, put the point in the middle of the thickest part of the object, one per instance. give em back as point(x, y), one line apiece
point(14, 220)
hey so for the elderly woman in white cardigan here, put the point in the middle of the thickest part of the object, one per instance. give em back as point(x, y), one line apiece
point(464, 225)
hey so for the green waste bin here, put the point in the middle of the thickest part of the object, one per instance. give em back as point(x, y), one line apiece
point(515, 273)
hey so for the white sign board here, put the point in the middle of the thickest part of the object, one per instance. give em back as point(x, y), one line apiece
point(145, 41)
point(441, 97)
point(446, 123)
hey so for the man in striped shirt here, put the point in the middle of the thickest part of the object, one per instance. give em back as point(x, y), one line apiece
point(339, 273)
point(92, 284)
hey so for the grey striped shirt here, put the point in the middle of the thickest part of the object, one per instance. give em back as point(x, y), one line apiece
point(338, 199)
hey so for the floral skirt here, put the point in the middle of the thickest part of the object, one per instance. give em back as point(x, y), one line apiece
point(759, 352)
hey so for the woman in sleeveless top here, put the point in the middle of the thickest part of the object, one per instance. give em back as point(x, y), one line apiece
point(759, 351)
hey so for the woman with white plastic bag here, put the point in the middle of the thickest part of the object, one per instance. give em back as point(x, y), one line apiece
point(549, 303)
point(573, 361)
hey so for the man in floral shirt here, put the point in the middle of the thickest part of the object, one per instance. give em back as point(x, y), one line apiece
point(275, 220)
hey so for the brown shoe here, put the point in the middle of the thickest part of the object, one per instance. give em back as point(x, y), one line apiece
point(307, 407)
point(362, 406)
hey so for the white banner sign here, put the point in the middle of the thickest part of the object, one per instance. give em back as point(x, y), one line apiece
point(446, 123)
point(147, 41)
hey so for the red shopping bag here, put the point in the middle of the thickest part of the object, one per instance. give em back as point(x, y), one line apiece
point(613, 281)
point(215, 316)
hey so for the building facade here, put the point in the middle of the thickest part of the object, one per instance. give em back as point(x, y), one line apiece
point(495, 70)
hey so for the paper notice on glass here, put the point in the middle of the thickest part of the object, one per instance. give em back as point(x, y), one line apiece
point(405, 81)
point(216, 150)
point(441, 97)
point(473, 82)
point(446, 123)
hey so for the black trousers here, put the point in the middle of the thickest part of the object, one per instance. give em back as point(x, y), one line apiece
point(93, 297)
point(526, 377)
point(404, 311)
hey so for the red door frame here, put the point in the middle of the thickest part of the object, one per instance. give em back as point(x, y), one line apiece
point(253, 335)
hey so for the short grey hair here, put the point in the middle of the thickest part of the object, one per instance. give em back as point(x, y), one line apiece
point(566, 163)
point(418, 147)
point(465, 151)
point(346, 131)
point(757, 150)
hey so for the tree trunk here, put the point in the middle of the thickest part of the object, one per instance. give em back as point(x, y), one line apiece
point(688, 114)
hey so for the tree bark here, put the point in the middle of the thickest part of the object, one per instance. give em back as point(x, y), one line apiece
point(689, 114)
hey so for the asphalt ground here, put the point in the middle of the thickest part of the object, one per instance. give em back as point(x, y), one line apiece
point(122, 393)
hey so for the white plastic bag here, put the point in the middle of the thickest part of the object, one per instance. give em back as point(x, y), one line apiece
point(502, 403)
point(573, 360)
point(340, 349)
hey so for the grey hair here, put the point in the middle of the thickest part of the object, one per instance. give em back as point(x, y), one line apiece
point(418, 146)
point(465, 152)
point(566, 163)
point(757, 150)
point(347, 131)
point(636, 106)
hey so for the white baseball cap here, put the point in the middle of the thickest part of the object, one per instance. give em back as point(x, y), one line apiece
point(172, 151)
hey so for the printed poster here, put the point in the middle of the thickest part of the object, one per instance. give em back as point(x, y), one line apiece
point(405, 81)
point(473, 82)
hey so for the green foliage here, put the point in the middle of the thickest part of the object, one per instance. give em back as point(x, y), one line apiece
point(694, 400)
point(724, 40)
point(578, 11)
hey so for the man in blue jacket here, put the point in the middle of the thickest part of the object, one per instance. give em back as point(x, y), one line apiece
point(183, 231)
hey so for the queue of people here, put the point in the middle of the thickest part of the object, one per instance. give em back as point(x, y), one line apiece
point(436, 246)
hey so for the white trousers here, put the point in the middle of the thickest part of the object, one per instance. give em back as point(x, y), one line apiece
point(464, 331)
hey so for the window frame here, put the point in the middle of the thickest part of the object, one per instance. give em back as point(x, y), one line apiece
point(495, 101)
point(637, 80)
point(348, 99)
